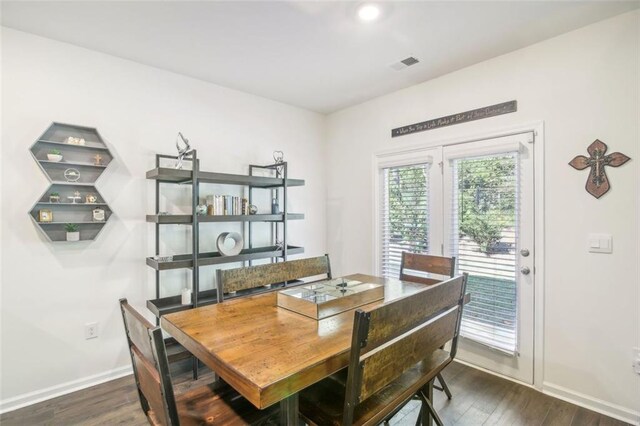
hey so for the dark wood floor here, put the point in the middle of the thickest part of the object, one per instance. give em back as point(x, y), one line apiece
point(478, 399)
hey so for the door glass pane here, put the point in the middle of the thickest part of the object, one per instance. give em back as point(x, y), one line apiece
point(405, 214)
point(484, 241)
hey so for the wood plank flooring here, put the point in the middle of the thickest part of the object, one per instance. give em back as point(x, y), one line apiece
point(478, 399)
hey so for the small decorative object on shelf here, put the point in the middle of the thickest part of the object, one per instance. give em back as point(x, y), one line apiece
point(75, 141)
point(45, 215)
point(90, 199)
point(97, 160)
point(75, 197)
point(186, 296)
point(229, 243)
point(54, 197)
point(597, 182)
point(72, 232)
point(182, 152)
point(201, 209)
point(72, 175)
point(54, 155)
point(278, 156)
point(163, 258)
point(98, 215)
point(275, 207)
point(163, 213)
point(253, 209)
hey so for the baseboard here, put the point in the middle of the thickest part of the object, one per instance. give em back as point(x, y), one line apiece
point(591, 403)
point(30, 398)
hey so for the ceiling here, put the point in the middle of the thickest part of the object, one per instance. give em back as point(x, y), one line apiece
point(315, 55)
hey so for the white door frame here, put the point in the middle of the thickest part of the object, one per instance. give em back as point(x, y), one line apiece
point(380, 158)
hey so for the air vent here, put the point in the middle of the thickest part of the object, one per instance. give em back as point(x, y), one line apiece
point(407, 62)
point(410, 61)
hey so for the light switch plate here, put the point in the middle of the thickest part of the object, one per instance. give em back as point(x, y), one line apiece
point(600, 243)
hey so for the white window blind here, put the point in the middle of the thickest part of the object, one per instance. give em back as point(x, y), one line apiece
point(404, 214)
point(484, 240)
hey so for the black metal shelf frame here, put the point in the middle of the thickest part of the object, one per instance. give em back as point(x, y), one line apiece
point(195, 177)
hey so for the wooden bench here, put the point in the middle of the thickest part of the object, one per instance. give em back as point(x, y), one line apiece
point(396, 352)
point(254, 277)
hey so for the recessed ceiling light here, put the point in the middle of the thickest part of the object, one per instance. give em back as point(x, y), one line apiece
point(368, 12)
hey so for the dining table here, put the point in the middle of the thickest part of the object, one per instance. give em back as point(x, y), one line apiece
point(268, 353)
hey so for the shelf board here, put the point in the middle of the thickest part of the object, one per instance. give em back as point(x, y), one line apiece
point(214, 258)
point(48, 203)
point(70, 163)
point(187, 218)
point(65, 183)
point(77, 223)
point(167, 305)
point(164, 174)
point(100, 148)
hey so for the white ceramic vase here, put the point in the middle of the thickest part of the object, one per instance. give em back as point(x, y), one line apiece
point(54, 157)
point(73, 236)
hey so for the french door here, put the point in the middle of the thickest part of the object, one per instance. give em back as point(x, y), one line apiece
point(479, 208)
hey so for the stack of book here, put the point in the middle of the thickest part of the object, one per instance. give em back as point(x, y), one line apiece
point(224, 205)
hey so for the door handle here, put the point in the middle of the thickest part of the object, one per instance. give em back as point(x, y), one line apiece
point(525, 270)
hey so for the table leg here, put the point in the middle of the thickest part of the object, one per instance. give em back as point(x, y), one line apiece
point(289, 411)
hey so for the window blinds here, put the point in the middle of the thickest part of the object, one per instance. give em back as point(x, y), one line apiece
point(404, 214)
point(484, 240)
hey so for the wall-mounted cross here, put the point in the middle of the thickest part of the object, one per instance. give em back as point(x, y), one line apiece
point(598, 183)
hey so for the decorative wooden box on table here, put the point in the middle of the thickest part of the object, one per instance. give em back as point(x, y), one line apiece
point(326, 298)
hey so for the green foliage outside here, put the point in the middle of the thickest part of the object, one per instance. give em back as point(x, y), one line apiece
point(486, 202)
point(487, 199)
point(407, 206)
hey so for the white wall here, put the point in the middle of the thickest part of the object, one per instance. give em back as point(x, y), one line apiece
point(49, 291)
point(583, 85)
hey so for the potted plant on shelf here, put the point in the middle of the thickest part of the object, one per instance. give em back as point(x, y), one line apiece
point(72, 232)
point(54, 155)
point(54, 197)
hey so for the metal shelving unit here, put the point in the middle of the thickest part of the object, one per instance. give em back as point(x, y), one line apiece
point(278, 184)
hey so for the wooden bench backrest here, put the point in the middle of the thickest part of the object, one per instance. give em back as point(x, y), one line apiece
point(426, 263)
point(230, 280)
point(150, 365)
point(395, 336)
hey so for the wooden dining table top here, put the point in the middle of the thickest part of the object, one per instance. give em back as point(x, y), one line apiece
point(266, 352)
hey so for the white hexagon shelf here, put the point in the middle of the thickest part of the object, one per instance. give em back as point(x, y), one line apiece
point(72, 158)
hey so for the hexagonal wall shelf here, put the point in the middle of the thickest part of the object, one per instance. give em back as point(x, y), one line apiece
point(72, 158)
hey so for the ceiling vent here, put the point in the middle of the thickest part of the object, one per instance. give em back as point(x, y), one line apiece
point(407, 62)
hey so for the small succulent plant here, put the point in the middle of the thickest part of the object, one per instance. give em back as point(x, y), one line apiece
point(55, 152)
point(71, 227)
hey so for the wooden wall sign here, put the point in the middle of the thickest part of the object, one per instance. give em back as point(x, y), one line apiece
point(597, 182)
point(462, 117)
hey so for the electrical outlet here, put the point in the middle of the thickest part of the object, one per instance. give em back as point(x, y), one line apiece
point(91, 330)
point(636, 360)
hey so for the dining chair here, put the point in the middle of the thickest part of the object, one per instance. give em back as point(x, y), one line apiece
point(411, 263)
point(396, 352)
point(216, 403)
point(253, 277)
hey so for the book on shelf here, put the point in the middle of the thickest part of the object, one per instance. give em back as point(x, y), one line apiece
point(227, 205)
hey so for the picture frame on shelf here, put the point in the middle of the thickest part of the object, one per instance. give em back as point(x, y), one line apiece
point(45, 215)
point(99, 215)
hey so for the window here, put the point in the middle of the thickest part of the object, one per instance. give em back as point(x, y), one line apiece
point(404, 214)
point(484, 240)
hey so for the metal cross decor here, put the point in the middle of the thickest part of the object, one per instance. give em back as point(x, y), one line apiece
point(597, 183)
